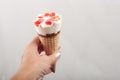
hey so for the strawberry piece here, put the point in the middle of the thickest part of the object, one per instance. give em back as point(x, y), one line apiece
point(46, 14)
point(52, 14)
point(48, 22)
point(37, 23)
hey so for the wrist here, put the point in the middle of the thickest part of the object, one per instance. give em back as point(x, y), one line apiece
point(21, 74)
point(26, 74)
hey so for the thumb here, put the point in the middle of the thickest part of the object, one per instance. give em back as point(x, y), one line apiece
point(54, 57)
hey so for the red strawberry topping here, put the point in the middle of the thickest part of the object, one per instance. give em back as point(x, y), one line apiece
point(38, 22)
point(48, 22)
point(48, 18)
point(46, 14)
point(52, 14)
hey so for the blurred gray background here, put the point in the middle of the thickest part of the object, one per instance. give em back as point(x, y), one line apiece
point(90, 37)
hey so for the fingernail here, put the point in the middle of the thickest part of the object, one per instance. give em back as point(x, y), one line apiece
point(57, 55)
point(42, 53)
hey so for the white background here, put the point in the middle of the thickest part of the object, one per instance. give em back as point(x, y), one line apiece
point(90, 38)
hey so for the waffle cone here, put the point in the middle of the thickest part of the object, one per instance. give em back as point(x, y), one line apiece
point(50, 44)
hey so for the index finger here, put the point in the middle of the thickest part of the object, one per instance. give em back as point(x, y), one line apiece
point(33, 45)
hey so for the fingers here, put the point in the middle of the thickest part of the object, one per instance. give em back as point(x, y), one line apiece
point(35, 42)
point(54, 57)
point(42, 53)
point(36, 45)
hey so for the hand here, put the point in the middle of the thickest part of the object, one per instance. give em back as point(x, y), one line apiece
point(34, 65)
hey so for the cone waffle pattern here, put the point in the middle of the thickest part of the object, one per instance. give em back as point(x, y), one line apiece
point(50, 44)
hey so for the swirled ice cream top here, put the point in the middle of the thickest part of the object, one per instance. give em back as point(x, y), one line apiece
point(48, 23)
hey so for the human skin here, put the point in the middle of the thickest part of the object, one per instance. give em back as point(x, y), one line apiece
point(34, 65)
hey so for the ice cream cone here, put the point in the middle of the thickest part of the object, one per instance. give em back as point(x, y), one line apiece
point(50, 44)
point(48, 27)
